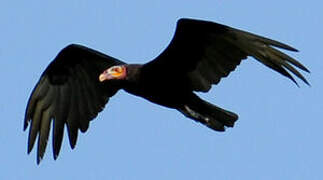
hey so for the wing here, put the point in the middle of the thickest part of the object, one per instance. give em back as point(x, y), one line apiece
point(68, 92)
point(207, 51)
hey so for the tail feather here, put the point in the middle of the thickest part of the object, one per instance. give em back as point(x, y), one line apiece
point(208, 114)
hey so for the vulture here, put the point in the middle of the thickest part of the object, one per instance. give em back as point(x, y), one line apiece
point(78, 83)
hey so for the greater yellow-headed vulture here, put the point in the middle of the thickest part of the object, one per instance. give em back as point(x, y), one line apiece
point(78, 83)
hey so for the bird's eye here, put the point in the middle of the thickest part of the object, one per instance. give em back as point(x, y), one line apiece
point(117, 69)
point(112, 70)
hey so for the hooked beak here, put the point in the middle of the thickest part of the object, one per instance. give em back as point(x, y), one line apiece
point(105, 76)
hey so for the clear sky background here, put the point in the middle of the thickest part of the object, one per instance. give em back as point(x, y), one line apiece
point(279, 132)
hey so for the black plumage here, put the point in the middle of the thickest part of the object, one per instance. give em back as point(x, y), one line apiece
point(78, 83)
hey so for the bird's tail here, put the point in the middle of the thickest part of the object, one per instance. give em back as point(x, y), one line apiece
point(208, 114)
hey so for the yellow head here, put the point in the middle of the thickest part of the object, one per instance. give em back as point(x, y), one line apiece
point(114, 72)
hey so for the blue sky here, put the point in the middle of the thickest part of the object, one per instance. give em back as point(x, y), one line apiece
point(278, 135)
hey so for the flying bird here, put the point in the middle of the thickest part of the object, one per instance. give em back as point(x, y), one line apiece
point(78, 83)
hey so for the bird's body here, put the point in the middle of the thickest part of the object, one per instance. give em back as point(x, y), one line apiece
point(150, 87)
point(75, 87)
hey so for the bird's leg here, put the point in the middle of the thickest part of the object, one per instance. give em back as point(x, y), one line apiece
point(190, 113)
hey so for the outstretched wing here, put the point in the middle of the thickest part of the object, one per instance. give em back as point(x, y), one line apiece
point(68, 92)
point(207, 51)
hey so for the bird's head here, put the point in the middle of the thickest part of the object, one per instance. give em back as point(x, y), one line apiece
point(114, 72)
